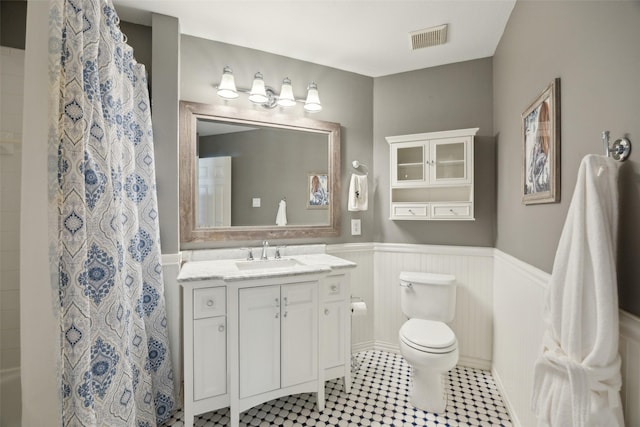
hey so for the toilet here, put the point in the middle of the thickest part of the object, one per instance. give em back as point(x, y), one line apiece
point(426, 342)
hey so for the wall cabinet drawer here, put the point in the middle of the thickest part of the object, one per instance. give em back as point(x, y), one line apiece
point(451, 211)
point(411, 211)
point(209, 302)
point(333, 288)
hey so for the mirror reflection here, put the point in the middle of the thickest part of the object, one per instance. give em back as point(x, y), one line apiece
point(245, 172)
point(252, 175)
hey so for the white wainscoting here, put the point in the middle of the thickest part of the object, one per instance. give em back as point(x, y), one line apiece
point(376, 281)
point(362, 337)
point(517, 336)
point(173, 301)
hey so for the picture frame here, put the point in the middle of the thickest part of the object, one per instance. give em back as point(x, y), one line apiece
point(541, 147)
point(317, 191)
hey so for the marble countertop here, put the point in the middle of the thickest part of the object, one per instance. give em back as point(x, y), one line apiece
point(228, 270)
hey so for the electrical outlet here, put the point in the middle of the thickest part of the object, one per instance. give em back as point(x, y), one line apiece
point(356, 230)
point(256, 202)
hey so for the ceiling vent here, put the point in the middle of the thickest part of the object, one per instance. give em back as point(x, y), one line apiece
point(428, 37)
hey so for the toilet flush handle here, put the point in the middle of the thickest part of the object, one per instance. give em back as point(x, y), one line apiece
point(406, 285)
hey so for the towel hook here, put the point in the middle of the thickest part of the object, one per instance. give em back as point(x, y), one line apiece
point(619, 150)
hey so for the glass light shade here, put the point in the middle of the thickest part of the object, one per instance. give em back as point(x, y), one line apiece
point(312, 104)
point(286, 98)
point(258, 94)
point(227, 87)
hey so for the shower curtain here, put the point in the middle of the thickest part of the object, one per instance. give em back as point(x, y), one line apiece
point(114, 363)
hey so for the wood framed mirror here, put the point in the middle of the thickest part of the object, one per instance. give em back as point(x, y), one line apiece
point(238, 165)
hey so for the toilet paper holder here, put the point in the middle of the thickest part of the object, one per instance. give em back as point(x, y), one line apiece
point(358, 307)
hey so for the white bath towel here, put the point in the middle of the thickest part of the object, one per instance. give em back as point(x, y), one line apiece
point(358, 198)
point(281, 216)
point(577, 378)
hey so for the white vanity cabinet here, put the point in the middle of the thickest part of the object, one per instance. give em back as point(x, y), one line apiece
point(206, 383)
point(335, 327)
point(253, 333)
point(278, 337)
point(432, 175)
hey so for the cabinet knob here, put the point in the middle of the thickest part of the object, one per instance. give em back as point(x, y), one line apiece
point(221, 328)
point(411, 212)
point(210, 303)
point(277, 302)
point(326, 311)
point(286, 302)
point(334, 288)
point(277, 315)
point(285, 314)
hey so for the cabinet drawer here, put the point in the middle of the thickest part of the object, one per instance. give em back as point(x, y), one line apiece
point(209, 302)
point(410, 211)
point(333, 287)
point(451, 211)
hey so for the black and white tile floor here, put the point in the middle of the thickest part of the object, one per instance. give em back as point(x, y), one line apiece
point(379, 397)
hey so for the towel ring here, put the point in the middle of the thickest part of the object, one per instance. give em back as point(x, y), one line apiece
point(356, 165)
point(619, 150)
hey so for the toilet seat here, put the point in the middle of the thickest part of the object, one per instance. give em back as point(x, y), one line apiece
point(428, 336)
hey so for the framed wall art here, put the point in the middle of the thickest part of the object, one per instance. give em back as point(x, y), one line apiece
point(541, 147)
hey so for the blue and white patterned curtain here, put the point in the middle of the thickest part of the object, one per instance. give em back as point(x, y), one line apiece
point(114, 366)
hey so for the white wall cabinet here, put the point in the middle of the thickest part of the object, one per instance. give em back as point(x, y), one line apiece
point(432, 175)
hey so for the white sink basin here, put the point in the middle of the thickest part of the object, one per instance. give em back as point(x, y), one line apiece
point(265, 264)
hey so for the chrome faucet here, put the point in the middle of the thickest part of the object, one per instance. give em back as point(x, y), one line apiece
point(265, 245)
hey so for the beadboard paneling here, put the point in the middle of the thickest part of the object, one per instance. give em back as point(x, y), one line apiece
point(361, 287)
point(518, 328)
point(173, 301)
point(473, 269)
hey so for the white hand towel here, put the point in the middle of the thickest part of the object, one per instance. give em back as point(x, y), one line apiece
point(281, 216)
point(577, 378)
point(358, 197)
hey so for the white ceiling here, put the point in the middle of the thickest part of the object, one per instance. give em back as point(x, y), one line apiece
point(369, 37)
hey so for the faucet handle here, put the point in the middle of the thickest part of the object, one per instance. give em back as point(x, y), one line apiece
point(278, 254)
point(249, 254)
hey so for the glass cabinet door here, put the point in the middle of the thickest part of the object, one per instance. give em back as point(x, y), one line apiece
point(449, 161)
point(410, 163)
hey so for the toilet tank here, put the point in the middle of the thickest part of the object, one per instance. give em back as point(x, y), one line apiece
point(428, 296)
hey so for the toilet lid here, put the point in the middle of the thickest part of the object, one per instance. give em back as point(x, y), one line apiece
point(428, 334)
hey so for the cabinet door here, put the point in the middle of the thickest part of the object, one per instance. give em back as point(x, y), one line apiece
point(299, 333)
point(333, 331)
point(449, 163)
point(259, 340)
point(408, 162)
point(209, 357)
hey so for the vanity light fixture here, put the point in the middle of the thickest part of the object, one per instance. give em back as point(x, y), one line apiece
point(227, 88)
point(265, 95)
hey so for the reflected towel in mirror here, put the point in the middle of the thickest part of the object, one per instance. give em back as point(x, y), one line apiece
point(281, 216)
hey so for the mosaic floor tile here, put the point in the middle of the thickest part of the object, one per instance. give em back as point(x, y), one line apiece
point(379, 397)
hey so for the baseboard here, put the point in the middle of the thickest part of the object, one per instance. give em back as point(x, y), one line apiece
point(362, 346)
point(475, 363)
point(505, 398)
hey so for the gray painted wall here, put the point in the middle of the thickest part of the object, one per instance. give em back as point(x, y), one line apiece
point(166, 57)
point(347, 99)
point(593, 47)
point(271, 164)
point(455, 96)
